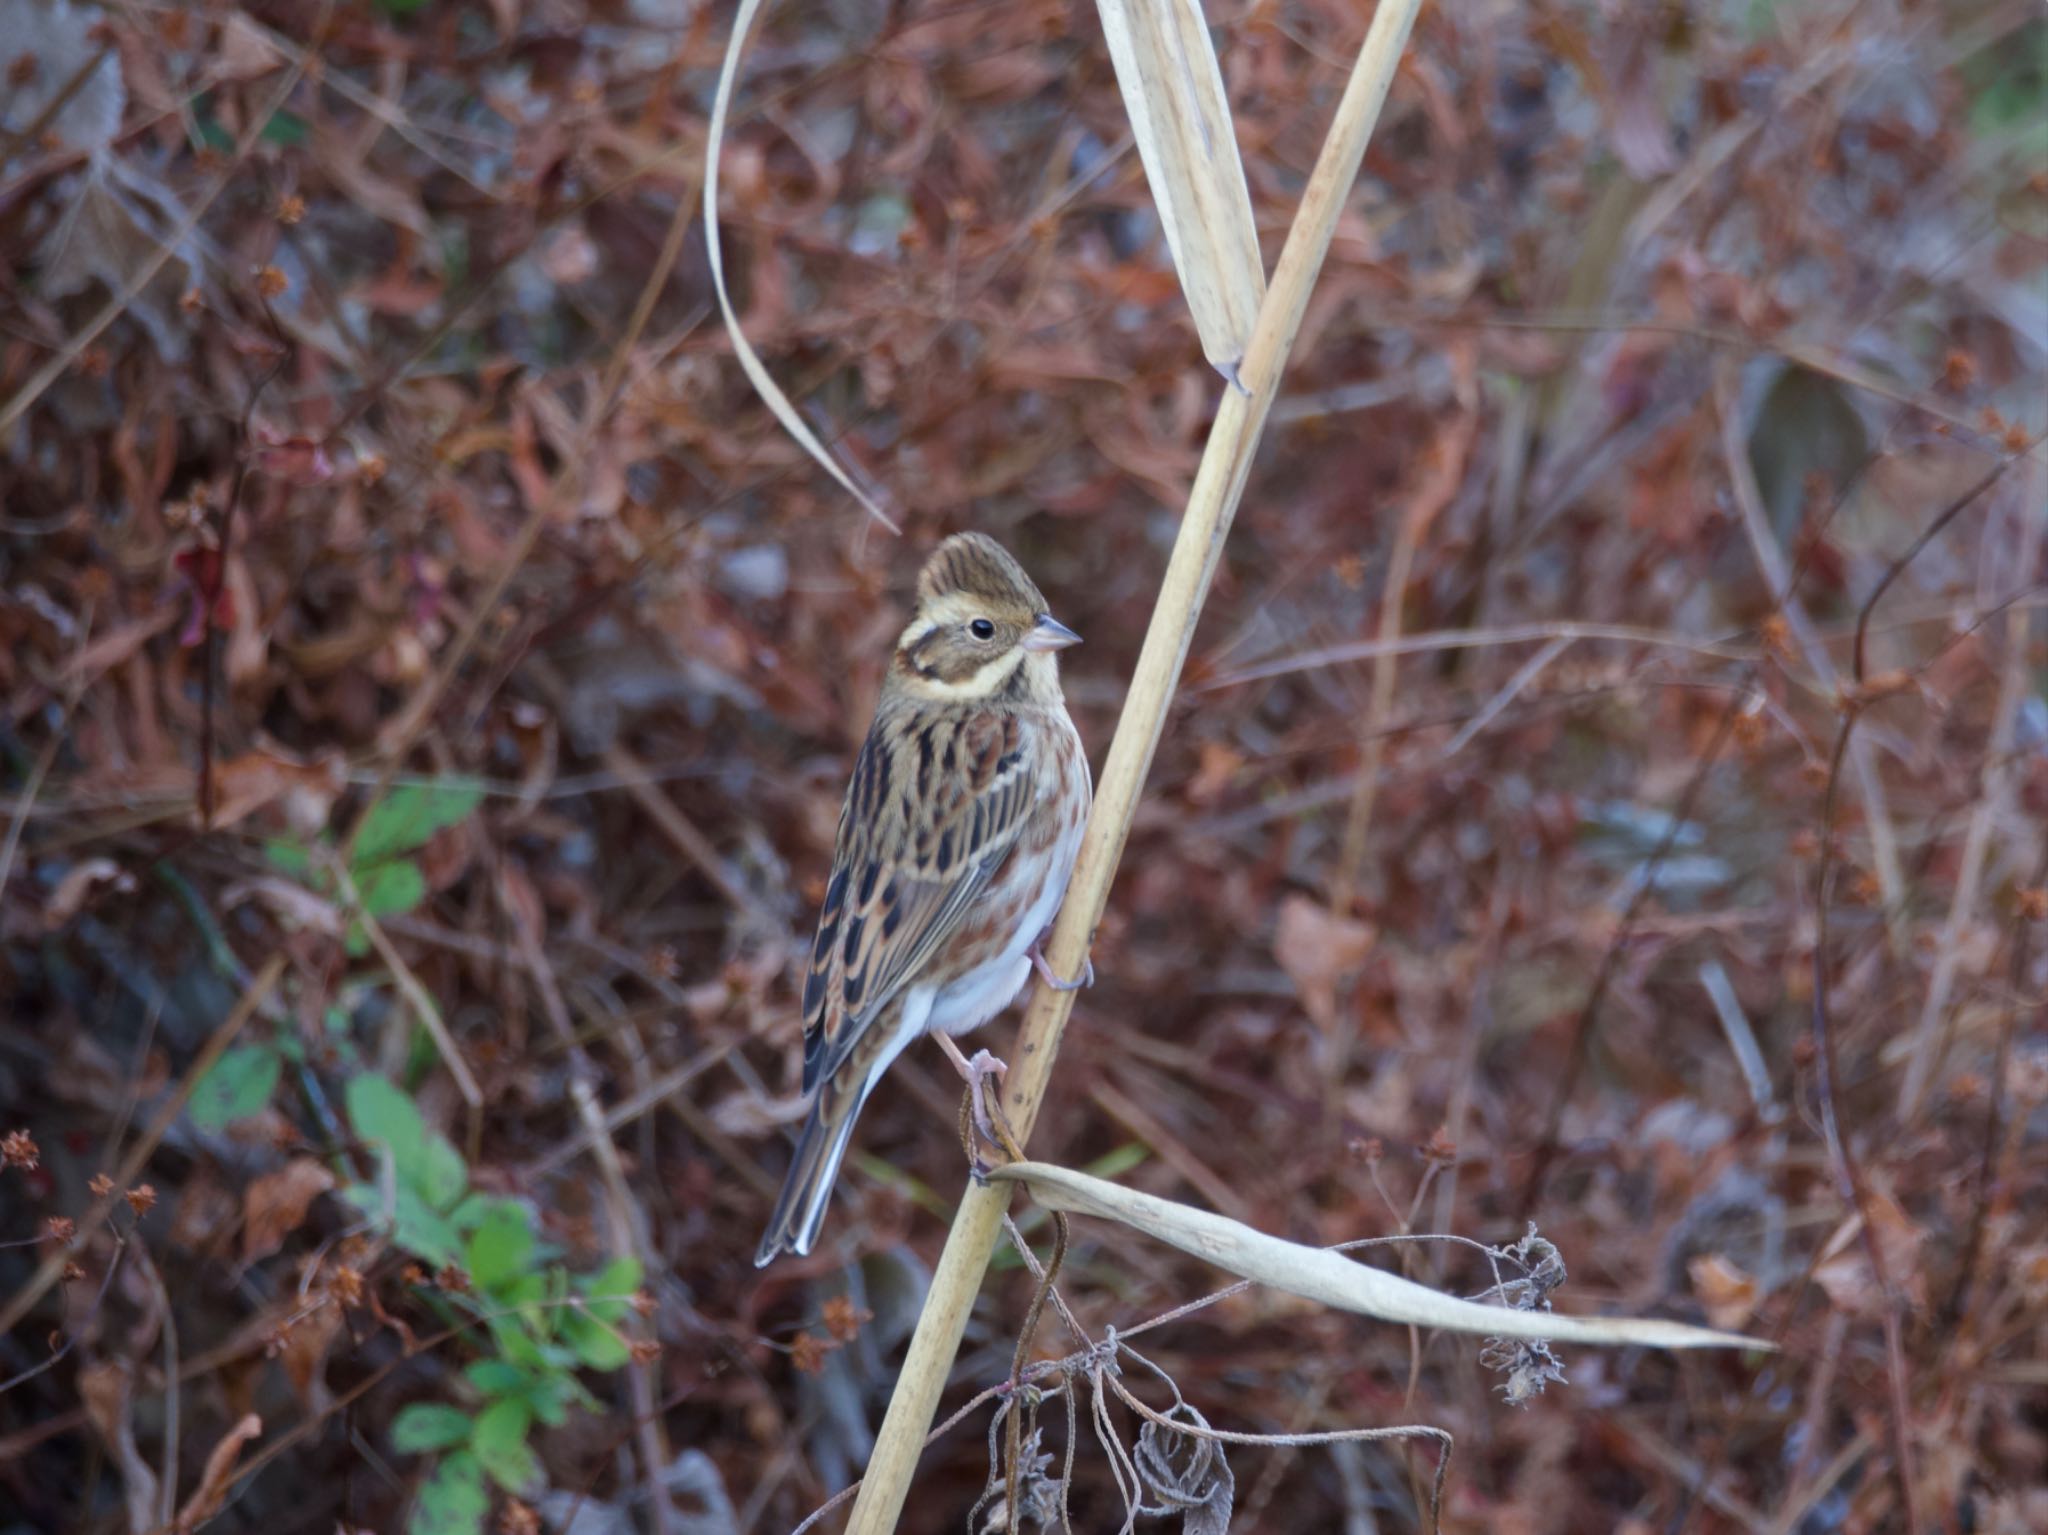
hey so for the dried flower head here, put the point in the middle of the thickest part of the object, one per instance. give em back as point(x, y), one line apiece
point(843, 1319)
point(18, 1149)
point(346, 1285)
point(808, 1353)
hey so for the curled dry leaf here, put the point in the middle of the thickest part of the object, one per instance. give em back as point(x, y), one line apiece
point(1333, 1279)
point(298, 906)
point(1173, 93)
point(79, 882)
point(1729, 1294)
point(212, 1490)
point(750, 361)
point(1318, 950)
point(276, 1205)
point(305, 791)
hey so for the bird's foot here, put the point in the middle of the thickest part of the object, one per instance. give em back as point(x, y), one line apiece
point(1045, 974)
point(975, 1072)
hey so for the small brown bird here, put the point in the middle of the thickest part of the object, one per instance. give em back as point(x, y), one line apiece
point(955, 845)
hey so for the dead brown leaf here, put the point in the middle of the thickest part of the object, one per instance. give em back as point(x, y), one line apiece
point(212, 1490)
point(245, 784)
point(78, 883)
point(276, 1205)
point(1729, 1294)
point(1318, 951)
point(303, 1352)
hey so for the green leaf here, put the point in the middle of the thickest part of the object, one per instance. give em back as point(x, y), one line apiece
point(550, 1400)
point(453, 1501)
point(380, 1112)
point(285, 128)
point(611, 1288)
point(213, 135)
point(596, 1345)
point(428, 1426)
point(520, 1346)
point(422, 1230)
point(289, 858)
point(392, 889)
point(501, 1247)
point(473, 1208)
point(441, 1176)
point(408, 816)
point(235, 1086)
point(494, 1377)
point(500, 1443)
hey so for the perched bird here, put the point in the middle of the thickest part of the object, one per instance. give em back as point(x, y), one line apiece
point(955, 845)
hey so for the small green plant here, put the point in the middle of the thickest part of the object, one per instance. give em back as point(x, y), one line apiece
point(236, 1086)
point(388, 879)
point(538, 1324)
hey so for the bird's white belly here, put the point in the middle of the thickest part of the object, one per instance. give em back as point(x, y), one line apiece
point(986, 990)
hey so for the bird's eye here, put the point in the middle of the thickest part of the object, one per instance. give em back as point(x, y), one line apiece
point(982, 629)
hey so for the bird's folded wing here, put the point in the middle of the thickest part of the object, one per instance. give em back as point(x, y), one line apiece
point(934, 808)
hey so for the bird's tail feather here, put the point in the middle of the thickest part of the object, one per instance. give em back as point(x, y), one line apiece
point(807, 1189)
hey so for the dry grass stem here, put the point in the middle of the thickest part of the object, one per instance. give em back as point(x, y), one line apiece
point(1219, 482)
point(750, 360)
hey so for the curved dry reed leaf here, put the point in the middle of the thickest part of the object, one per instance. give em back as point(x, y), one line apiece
point(1333, 1279)
point(1173, 92)
point(750, 361)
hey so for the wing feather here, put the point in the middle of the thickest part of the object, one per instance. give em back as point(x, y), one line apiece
point(933, 810)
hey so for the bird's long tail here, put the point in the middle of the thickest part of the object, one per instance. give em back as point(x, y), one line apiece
point(807, 1189)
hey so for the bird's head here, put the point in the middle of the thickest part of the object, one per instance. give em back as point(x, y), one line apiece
point(981, 630)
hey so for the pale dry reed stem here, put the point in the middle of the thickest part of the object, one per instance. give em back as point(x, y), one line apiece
point(1219, 482)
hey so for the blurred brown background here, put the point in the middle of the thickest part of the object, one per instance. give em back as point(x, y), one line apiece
point(1653, 339)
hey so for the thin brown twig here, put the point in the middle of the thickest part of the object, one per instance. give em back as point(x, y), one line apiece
point(82, 1330)
point(34, 129)
point(210, 579)
point(1848, 1174)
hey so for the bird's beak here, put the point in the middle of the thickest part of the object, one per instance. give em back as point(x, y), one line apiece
point(1048, 634)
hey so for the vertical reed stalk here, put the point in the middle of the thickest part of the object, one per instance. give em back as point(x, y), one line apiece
point(1226, 461)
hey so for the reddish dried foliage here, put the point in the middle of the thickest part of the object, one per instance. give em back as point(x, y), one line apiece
point(255, 518)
